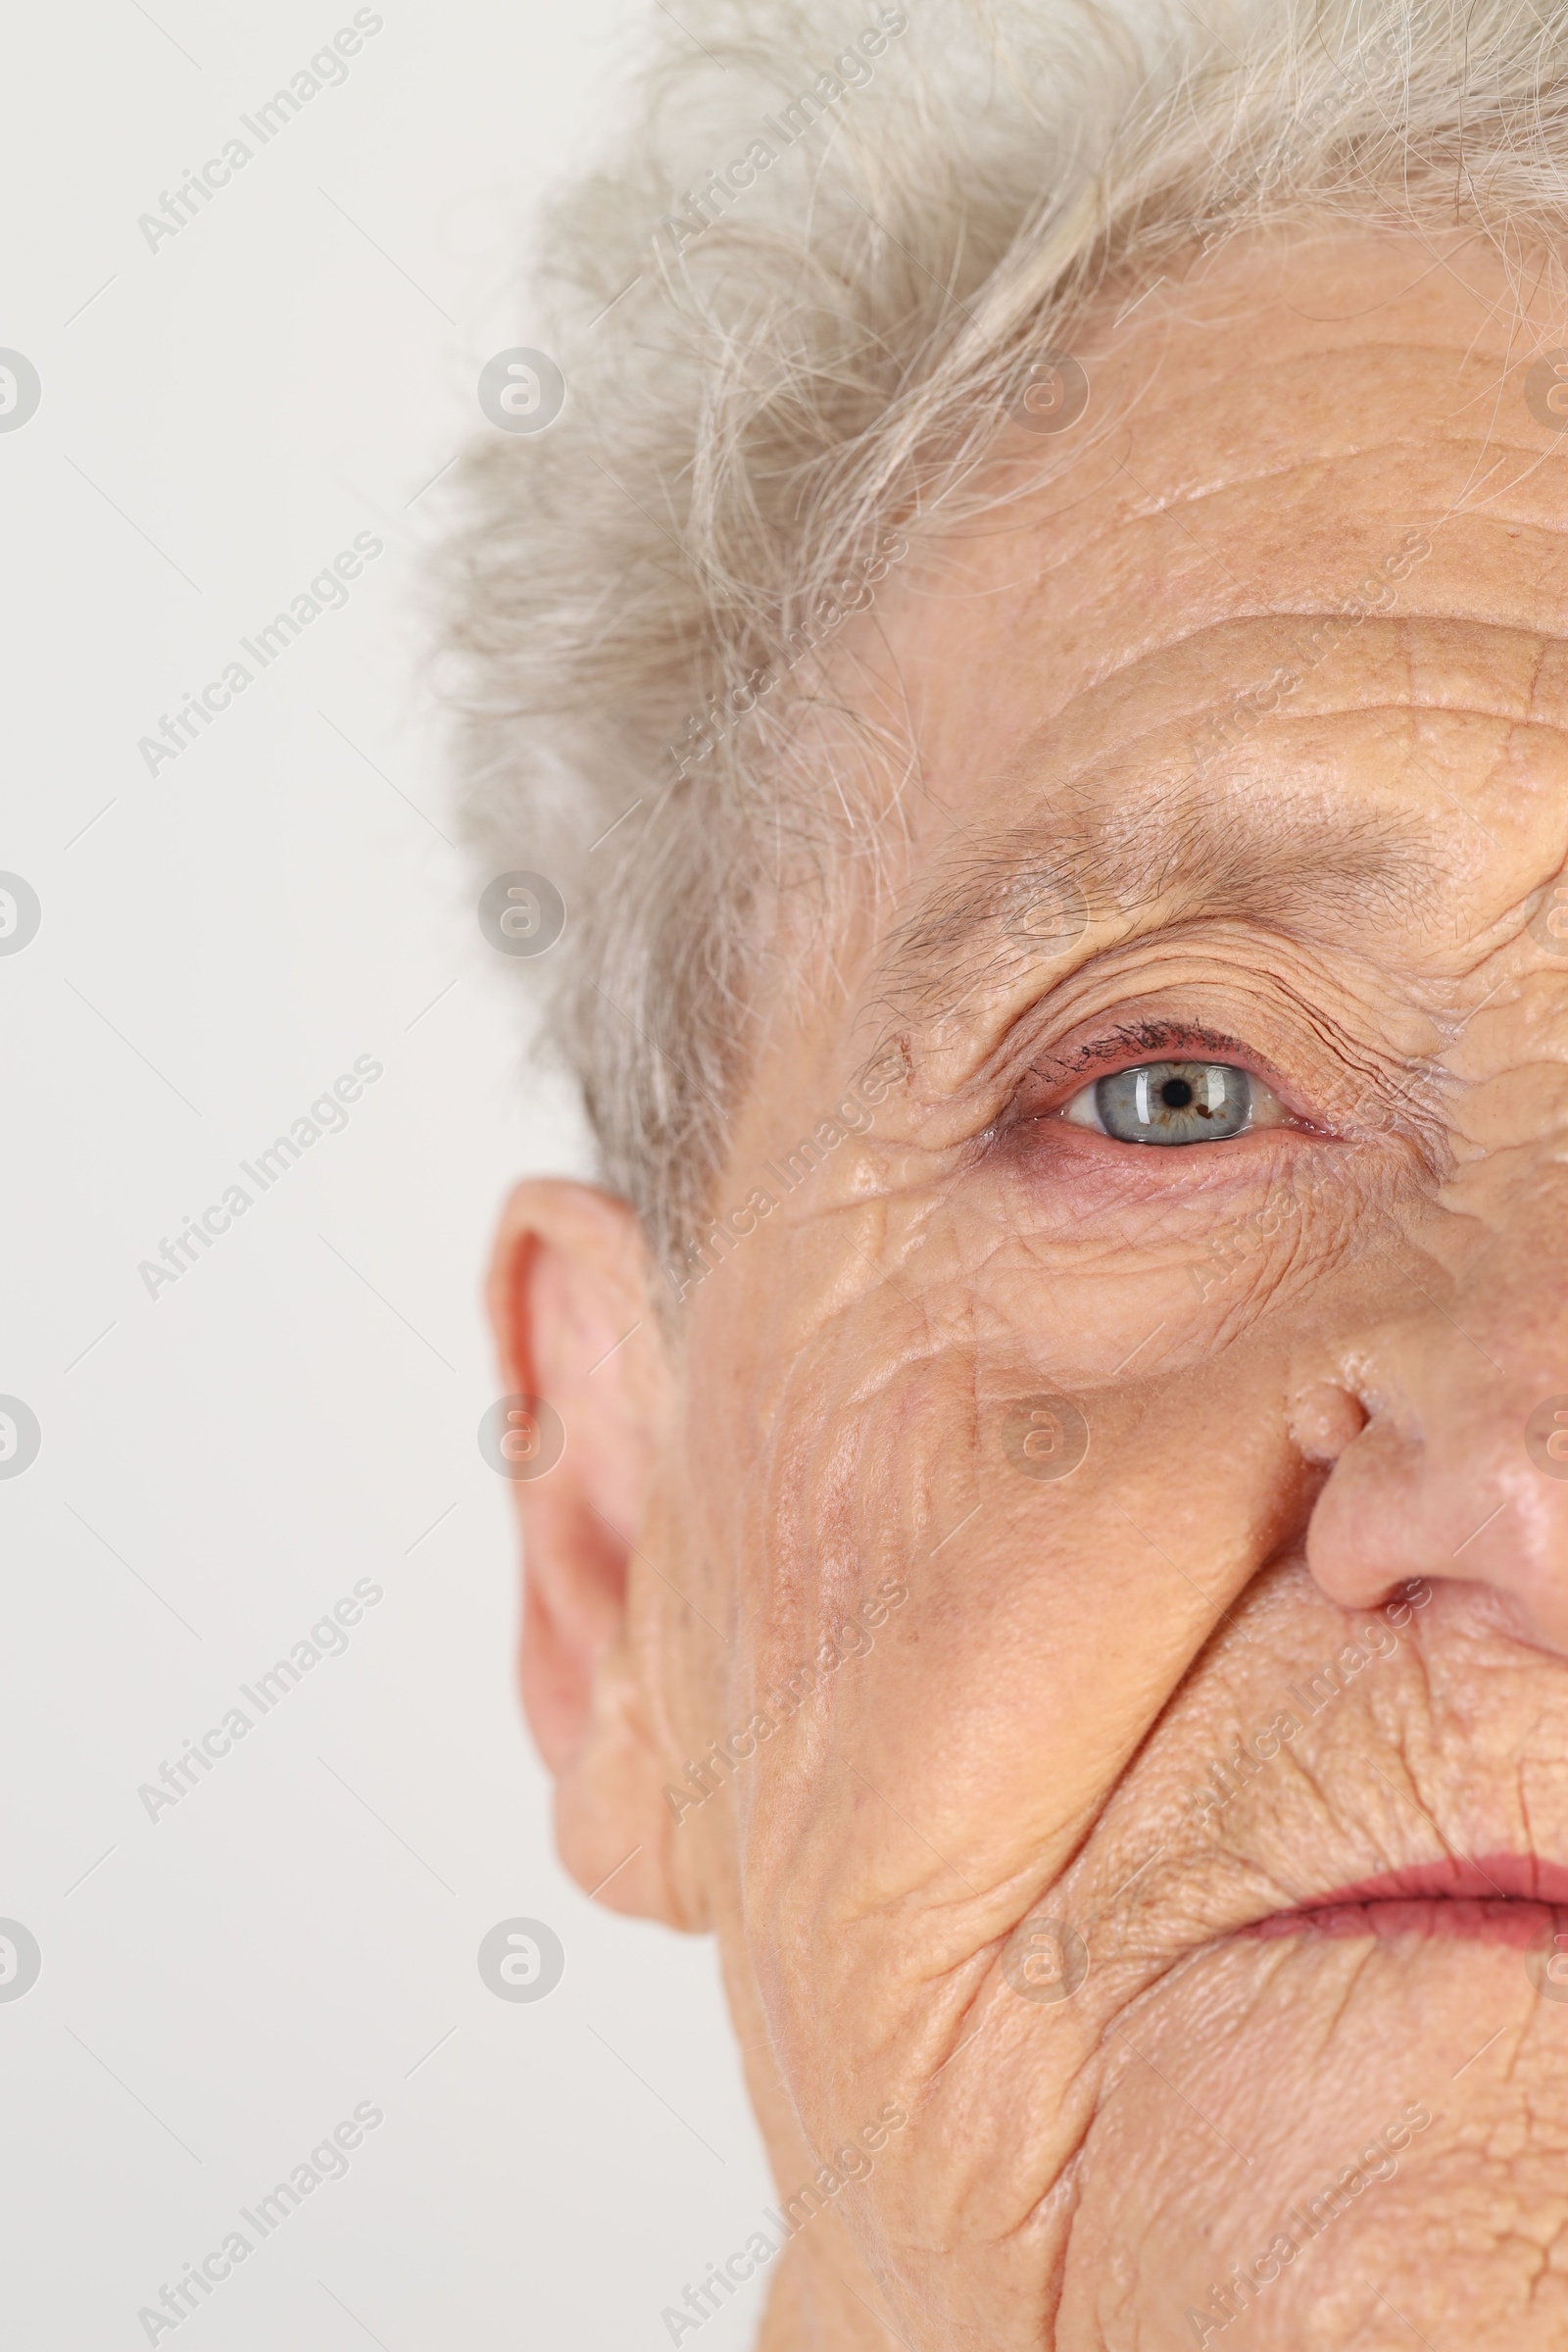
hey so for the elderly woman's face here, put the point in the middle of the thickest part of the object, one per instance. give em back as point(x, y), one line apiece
point(1119, 1488)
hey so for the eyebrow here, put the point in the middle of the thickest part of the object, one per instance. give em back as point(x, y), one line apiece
point(1188, 852)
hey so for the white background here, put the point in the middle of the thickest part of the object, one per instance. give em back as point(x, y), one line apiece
point(219, 1464)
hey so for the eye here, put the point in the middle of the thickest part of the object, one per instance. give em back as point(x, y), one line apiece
point(1177, 1102)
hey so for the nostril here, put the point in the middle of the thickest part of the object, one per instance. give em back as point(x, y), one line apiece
point(1324, 1420)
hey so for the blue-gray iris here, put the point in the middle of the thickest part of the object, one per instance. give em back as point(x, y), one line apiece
point(1175, 1103)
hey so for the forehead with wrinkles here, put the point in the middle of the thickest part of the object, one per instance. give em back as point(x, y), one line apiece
point(1304, 555)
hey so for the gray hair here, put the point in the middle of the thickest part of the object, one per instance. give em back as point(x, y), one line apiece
point(834, 243)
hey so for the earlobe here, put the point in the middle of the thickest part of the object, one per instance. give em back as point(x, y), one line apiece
point(569, 1303)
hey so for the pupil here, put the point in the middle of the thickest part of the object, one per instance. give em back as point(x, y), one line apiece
point(1176, 1094)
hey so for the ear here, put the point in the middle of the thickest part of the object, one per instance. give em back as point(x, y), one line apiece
point(574, 1327)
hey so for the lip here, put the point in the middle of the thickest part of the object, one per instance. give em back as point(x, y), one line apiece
point(1512, 1900)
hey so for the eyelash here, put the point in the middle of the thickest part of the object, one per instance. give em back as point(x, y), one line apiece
point(1152, 1041)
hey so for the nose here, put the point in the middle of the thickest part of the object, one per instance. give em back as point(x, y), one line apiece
point(1444, 1414)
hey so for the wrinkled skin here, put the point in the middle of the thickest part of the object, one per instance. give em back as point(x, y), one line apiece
point(1306, 1358)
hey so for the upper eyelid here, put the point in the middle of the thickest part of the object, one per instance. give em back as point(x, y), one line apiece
point(1175, 1044)
point(1103, 1058)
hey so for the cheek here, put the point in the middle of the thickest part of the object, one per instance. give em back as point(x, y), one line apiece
point(925, 1795)
point(918, 1803)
